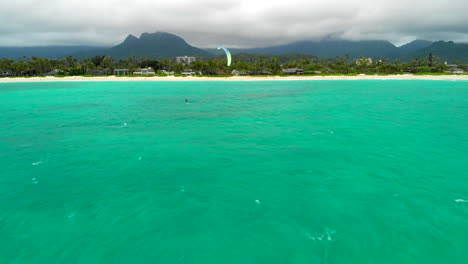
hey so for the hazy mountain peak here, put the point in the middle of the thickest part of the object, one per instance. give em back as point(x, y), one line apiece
point(159, 36)
point(130, 38)
point(154, 45)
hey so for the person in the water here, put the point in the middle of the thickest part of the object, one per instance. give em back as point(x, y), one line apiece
point(186, 100)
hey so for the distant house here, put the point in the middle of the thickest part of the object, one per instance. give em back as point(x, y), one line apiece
point(453, 68)
point(167, 72)
point(54, 72)
point(185, 60)
point(239, 73)
point(144, 71)
point(188, 73)
point(121, 72)
point(364, 61)
point(5, 73)
point(295, 71)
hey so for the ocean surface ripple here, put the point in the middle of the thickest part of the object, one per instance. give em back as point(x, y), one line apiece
point(248, 172)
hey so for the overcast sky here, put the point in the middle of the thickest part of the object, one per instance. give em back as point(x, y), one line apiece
point(233, 23)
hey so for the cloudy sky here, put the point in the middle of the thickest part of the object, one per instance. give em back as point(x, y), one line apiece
point(233, 23)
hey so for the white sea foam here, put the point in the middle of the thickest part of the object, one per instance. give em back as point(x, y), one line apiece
point(327, 235)
point(125, 124)
point(257, 202)
point(36, 163)
point(461, 201)
point(71, 217)
point(35, 181)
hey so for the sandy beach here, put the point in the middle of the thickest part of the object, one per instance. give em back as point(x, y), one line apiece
point(234, 78)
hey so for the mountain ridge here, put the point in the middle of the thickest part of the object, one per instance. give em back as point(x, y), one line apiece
point(332, 48)
point(153, 45)
point(160, 45)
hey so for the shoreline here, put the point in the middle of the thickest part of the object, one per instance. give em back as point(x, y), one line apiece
point(233, 78)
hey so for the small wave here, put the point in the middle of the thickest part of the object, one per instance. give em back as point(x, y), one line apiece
point(139, 158)
point(35, 181)
point(327, 235)
point(461, 201)
point(36, 163)
point(257, 202)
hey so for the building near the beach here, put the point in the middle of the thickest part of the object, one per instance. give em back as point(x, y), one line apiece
point(364, 61)
point(167, 72)
point(188, 73)
point(54, 72)
point(453, 68)
point(239, 73)
point(294, 71)
point(185, 59)
point(144, 71)
point(121, 72)
point(5, 73)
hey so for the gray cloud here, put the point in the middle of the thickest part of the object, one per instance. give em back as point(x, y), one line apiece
point(239, 23)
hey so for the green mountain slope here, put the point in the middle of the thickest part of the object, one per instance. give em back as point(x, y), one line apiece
point(151, 45)
point(448, 51)
point(333, 48)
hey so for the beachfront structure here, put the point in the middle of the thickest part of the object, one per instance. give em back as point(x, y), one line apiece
point(167, 72)
point(188, 73)
point(453, 68)
point(364, 61)
point(121, 72)
point(144, 71)
point(238, 73)
point(185, 59)
point(294, 71)
point(5, 73)
point(54, 72)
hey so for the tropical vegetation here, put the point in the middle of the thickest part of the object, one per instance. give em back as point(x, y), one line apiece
point(248, 64)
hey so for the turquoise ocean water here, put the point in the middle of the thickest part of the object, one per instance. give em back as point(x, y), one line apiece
point(247, 172)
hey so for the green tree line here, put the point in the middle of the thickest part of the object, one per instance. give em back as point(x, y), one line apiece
point(246, 63)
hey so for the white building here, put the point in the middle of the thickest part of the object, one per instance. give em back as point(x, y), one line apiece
point(453, 68)
point(185, 60)
point(364, 61)
point(144, 71)
point(167, 72)
point(188, 73)
point(295, 71)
